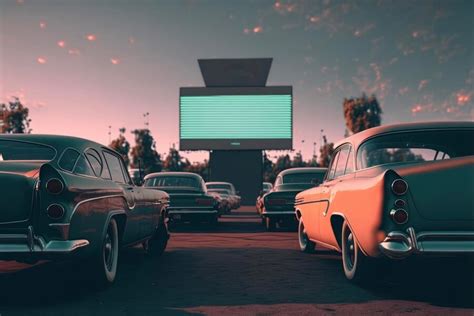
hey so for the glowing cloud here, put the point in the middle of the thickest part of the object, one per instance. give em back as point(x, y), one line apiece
point(463, 98)
point(91, 37)
point(258, 29)
point(41, 60)
point(115, 61)
point(42, 25)
point(62, 44)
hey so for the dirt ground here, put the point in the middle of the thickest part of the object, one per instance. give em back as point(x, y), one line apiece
point(238, 269)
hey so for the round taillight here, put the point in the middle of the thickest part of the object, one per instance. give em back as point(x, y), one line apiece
point(399, 187)
point(54, 186)
point(399, 216)
point(400, 203)
point(55, 211)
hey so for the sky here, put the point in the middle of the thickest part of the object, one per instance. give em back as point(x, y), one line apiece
point(84, 65)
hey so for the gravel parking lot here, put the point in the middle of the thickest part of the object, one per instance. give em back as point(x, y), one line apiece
point(238, 268)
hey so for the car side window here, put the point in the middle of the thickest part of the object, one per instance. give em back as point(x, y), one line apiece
point(95, 161)
point(350, 162)
point(332, 168)
point(115, 167)
point(83, 167)
point(68, 159)
point(342, 161)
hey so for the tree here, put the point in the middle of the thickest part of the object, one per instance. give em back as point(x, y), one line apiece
point(298, 161)
point(201, 168)
point(145, 151)
point(361, 113)
point(15, 117)
point(122, 146)
point(325, 152)
point(174, 161)
point(268, 165)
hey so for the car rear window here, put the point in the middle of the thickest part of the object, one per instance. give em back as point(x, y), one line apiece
point(219, 186)
point(15, 150)
point(303, 177)
point(409, 147)
point(173, 181)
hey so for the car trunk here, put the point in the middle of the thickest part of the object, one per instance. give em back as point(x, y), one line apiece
point(17, 187)
point(183, 196)
point(442, 190)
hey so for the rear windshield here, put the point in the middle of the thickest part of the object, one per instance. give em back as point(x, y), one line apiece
point(409, 147)
point(218, 186)
point(220, 191)
point(15, 150)
point(173, 181)
point(305, 178)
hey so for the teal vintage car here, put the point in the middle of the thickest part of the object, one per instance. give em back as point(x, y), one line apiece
point(65, 197)
point(277, 205)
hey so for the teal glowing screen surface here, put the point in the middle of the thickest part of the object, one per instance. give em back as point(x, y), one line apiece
point(231, 118)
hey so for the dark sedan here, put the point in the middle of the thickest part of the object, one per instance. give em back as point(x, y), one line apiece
point(189, 199)
point(278, 203)
point(65, 197)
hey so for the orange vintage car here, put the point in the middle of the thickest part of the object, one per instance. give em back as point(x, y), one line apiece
point(393, 191)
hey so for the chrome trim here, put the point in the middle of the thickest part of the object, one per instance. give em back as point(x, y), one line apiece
point(62, 186)
point(92, 199)
point(392, 215)
point(399, 245)
point(29, 243)
point(399, 194)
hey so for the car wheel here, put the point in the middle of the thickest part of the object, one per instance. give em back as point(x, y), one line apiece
point(354, 262)
point(155, 246)
point(306, 245)
point(104, 263)
point(270, 224)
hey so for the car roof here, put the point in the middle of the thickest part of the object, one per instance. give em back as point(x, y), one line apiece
point(359, 138)
point(219, 183)
point(51, 140)
point(173, 174)
point(303, 170)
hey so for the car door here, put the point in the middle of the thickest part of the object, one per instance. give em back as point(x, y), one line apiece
point(318, 202)
point(333, 187)
point(115, 167)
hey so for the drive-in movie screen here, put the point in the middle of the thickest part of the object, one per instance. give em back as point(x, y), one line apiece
point(242, 118)
point(237, 157)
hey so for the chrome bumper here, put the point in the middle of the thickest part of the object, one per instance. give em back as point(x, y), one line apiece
point(192, 210)
point(398, 245)
point(12, 245)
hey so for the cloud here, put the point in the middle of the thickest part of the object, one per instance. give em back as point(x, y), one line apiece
point(41, 60)
point(91, 37)
point(61, 44)
point(115, 61)
point(42, 25)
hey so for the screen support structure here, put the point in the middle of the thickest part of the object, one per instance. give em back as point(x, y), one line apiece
point(243, 168)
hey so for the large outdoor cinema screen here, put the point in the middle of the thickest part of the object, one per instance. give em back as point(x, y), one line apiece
point(236, 118)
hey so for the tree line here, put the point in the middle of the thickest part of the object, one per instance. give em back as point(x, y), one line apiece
point(359, 113)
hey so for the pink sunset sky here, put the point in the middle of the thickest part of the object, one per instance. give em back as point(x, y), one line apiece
point(82, 66)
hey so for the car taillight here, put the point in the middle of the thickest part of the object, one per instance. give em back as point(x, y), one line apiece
point(54, 186)
point(399, 216)
point(399, 186)
point(276, 201)
point(205, 202)
point(55, 211)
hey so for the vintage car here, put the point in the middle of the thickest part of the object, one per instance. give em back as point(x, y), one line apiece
point(66, 197)
point(189, 200)
point(393, 191)
point(225, 200)
point(266, 186)
point(229, 187)
point(277, 205)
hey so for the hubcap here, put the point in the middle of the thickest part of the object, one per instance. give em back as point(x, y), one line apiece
point(303, 236)
point(350, 250)
point(108, 251)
